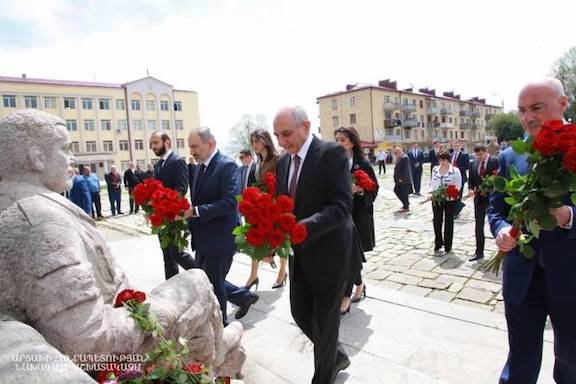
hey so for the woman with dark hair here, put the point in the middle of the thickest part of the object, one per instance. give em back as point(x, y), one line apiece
point(263, 145)
point(444, 174)
point(362, 214)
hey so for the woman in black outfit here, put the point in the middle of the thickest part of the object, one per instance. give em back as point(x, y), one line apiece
point(362, 214)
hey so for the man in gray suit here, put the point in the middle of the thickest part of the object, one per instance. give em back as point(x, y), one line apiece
point(402, 178)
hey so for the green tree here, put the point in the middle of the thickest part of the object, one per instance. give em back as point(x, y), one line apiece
point(506, 126)
point(564, 69)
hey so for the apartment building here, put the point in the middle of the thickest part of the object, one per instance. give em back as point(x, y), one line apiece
point(108, 123)
point(386, 116)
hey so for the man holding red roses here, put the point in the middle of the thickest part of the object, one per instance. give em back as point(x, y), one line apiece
point(316, 174)
point(544, 285)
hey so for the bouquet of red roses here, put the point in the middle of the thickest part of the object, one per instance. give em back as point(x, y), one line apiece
point(443, 193)
point(162, 206)
point(363, 180)
point(269, 224)
point(551, 176)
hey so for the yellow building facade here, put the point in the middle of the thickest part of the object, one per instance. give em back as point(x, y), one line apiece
point(108, 123)
point(386, 116)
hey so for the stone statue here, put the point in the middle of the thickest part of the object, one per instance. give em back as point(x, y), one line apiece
point(59, 275)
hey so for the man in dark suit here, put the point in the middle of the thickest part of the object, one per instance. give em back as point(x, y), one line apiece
point(172, 171)
point(130, 182)
point(114, 184)
point(484, 165)
point(416, 157)
point(433, 156)
point(214, 215)
point(402, 178)
point(316, 174)
point(248, 169)
point(544, 285)
point(461, 160)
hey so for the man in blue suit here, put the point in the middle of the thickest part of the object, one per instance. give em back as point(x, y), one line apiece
point(214, 214)
point(461, 160)
point(416, 157)
point(80, 192)
point(545, 285)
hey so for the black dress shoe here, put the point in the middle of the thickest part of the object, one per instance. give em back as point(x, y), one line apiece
point(476, 257)
point(244, 307)
point(342, 362)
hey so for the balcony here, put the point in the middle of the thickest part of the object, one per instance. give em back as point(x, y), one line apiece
point(390, 123)
point(432, 110)
point(465, 112)
point(433, 124)
point(445, 111)
point(490, 115)
point(475, 114)
point(390, 106)
point(474, 126)
point(465, 125)
point(409, 123)
point(446, 125)
point(408, 107)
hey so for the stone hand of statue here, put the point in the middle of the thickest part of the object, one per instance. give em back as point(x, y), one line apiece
point(562, 215)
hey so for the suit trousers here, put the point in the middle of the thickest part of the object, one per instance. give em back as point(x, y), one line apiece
point(460, 205)
point(115, 197)
point(381, 166)
point(173, 258)
point(526, 323)
point(480, 206)
point(402, 191)
point(317, 314)
point(97, 204)
point(443, 212)
point(133, 206)
point(417, 178)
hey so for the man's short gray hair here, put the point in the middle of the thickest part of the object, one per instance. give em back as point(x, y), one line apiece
point(205, 134)
point(299, 114)
point(556, 85)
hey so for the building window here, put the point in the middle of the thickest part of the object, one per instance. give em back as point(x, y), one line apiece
point(121, 125)
point(422, 135)
point(88, 125)
point(178, 106)
point(389, 131)
point(71, 125)
point(9, 101)
point(141, 163)
point(179, 125)
point(137, 125)
point(461, 134)
point(163, 105)
point(421, 104)
point(135, 105)
point(108, 146)
point(69, 103)
point(180, 143)
point(335, 121)
point(124, 165)
point(49, 102)
point(334, 105)
point(150, 105)
point(352, 118)
point(31, 101)
point(451, 135)
point(90, 146)
point(139, 145)
point(75, 147)
point(165, 125)
point(151, 125)
point(123, 145)
point(87, 104)
point(104, 104)
point(120, 105)
point(386, 99)
point(352, 101)
point(105, 125)
point(407, 133)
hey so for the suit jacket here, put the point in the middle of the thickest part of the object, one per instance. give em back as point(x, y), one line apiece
point(462, 162)
point(173, 173)
point(215, 196)
point(402, 171)
point(416, 161)
point(251, 175)
point(433, 158)
point(474, 181)
point(554, 248)
point(130, 178)
point(111, 184)
point(80, 194)
point(323, 204)
point(363, 207)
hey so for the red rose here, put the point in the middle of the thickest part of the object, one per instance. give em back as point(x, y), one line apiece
point(554, 125)
point(269, 178)
point(123, 297)
point(255, 237)
point(265, 226)
point(566, 140)
point(298, 234)
point(273, 212)
point(275, 238)
point(264, 200)
point(174, 207)
point(194, 368)
point(287, 222)
point(245, 207)
point(251, 194)
point(139, 297)
point(172, 194)
point(255, 216)
point(285, 203)
point(184, 204)
point(452, 192)
point(570, 159)
point(158, 194)
point(546, 142)
point(156, 220)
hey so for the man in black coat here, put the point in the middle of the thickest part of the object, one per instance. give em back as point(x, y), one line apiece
point(316, 174)
point(402, 178)
point(416, 157)
point(248, 169)
point(484, 165)
point(131, 180)
point(433, 156)
point(172, 171)
point(460, 160)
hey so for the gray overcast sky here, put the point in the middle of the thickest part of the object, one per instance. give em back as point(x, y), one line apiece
point(255, 56)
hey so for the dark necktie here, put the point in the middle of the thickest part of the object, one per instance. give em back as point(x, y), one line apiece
point(483, 169)
point(294, 181)
point(201, 172)
point(160, 163)
point(454, 159)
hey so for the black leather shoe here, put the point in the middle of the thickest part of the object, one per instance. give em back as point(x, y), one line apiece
point(244, 307)
point(476, 257)
point(342, 362)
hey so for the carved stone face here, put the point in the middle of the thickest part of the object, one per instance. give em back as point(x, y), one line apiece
point(58, 159)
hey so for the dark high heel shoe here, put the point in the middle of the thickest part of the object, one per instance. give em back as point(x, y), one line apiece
point(255, 282)
point(362, 295)
point(281, 284)
point(342, 313)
